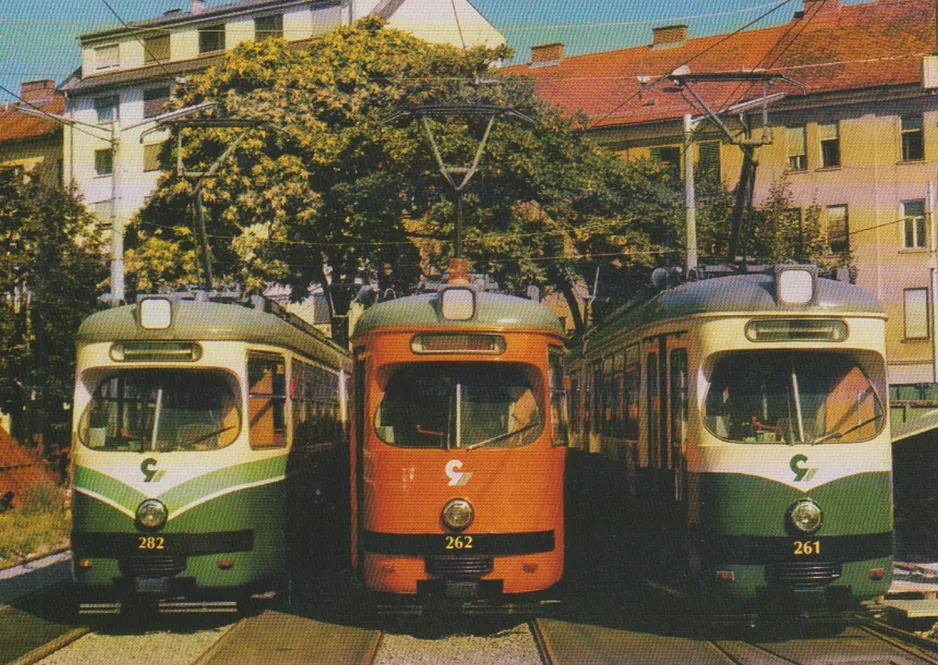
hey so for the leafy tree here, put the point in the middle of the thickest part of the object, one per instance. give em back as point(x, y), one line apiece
point(328, 185)
point(49, 277)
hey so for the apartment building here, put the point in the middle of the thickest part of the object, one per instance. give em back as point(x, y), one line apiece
point(857, 137)
point(127, 75)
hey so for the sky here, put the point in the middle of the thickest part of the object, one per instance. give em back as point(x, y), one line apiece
point(38, 38)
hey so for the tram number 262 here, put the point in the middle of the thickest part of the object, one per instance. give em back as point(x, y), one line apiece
point(807, 547)
point(459, 542)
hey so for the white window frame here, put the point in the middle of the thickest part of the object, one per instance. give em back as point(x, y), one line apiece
point(802, 156)
point(918, 228)
point(918, 308)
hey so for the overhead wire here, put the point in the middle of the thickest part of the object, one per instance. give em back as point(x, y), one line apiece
point(137, 37)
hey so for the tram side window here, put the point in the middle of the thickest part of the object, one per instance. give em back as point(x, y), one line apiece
point(267, 397)
point(597, 397)
point(631, 390)
point(558, 400)
point(574, 402)
point(678, 396)
point(618, 382)
point(315, 395)
point(610, 397)
point(654, 407)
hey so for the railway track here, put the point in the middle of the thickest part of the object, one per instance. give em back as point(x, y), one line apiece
point(285, 639)
point(327, 632)
point(867, 642)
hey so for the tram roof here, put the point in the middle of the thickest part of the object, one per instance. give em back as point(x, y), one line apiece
point(744, 294)
point(493, 311)
point(211, 321)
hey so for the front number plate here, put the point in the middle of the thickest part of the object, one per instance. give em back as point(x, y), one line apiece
point(457, 543)
point(801, 548)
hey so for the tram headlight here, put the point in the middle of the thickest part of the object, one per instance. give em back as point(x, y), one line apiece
point(458, 514)
point(151, 514)
point(806, 516)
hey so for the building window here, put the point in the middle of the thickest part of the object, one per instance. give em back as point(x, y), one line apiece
point(830, 145)
point(107, 108)
point(838, 230)
point(106, 57)
point(708, 161)
point(103, 161)
point(154, 100)
point(669, 156)
point(913, 217)
point(156, 48)
point(913, 139)
point(916, 313)
point(102, 210)
point(797, 159)
point(151, 156)
point(212, 38)
point(268, 27)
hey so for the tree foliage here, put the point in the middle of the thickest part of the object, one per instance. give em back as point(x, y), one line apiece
point(328, 183)
point(49, 280)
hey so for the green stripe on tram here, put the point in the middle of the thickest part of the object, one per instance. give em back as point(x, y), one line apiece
point(753, 505)
point(186, 493)
point(111, 488)
point(220, 479)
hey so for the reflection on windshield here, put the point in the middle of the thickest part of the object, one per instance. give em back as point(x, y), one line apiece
point(462, 405)
point(161, 410)
point(793, 397)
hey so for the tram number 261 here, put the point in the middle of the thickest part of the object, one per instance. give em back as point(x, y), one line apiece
point(807, 547)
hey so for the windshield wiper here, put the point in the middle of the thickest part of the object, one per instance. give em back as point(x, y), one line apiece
point(503, 435)
point(840, 435)
point(205, 436)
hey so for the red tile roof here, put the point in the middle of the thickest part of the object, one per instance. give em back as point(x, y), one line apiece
point(880, 43)
point(16, 126)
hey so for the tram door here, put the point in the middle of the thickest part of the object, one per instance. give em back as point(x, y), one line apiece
point(358, 443)
point(666, 390)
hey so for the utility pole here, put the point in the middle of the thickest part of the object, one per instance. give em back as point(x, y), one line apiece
point(690, 202)
point(113, 138)
point(683, 79)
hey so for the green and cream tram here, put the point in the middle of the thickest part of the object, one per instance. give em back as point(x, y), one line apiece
point(748, 414)
point(204, 433)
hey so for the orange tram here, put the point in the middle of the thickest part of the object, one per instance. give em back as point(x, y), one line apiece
point(458, 449)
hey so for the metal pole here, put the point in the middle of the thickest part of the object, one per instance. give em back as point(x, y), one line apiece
point(690, 203)
point(117, 230)
point(458, 223)
point(933, 275)
point(203, 238)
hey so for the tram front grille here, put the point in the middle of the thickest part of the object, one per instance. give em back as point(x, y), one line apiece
point(800, 574)
point(152, 566)
point(459, 566)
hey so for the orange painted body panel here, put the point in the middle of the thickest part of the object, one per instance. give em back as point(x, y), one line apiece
point(514, 490)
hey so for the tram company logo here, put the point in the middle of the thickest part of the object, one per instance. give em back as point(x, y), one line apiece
point(457, 477)
point(802, 473)
point(149, 473)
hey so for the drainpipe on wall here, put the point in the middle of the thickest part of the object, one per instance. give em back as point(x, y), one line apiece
point(933, 276)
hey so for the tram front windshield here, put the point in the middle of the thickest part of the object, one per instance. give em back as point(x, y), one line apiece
point(162, 410)
point(791, 397)
point(459, 405)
